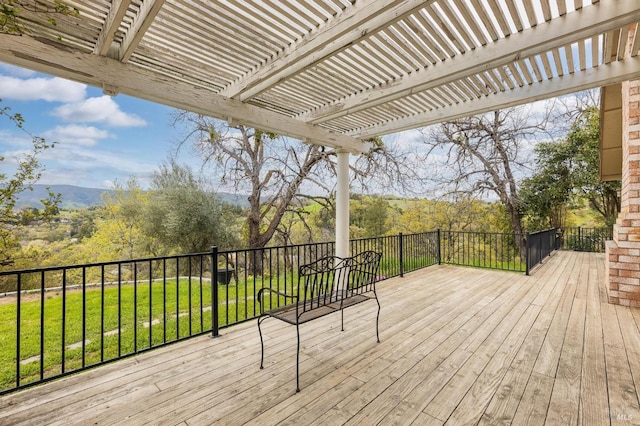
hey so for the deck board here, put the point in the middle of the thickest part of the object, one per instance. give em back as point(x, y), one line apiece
point(458, 346)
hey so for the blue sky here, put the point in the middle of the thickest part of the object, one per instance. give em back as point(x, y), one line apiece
point(99, 138)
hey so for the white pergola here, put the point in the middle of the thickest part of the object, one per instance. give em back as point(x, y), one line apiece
point(335, 72)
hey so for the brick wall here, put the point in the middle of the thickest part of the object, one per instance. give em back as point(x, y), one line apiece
point(623, 253)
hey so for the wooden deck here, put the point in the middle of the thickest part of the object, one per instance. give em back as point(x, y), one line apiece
point(459, 346)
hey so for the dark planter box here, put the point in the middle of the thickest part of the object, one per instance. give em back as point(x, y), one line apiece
point(224, 276)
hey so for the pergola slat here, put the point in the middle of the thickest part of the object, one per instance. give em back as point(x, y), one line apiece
point(334, 68)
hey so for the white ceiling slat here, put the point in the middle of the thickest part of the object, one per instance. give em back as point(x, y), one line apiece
point(448, 29)
point(455, 92)
point(394, 47)
point(505, 78)
point(595, 51)
point(515, 72)
point(622, 45)
point(498, 14)
point(470, 85)
point(568, 50)
point(533, 63)
point(546, 10)
point(463, 29)
point(399, 37)
point(116, 13)
point(528, 43)
point(413, 29)
point(429, 42)
point(470, 22)
point(486, 22)
point(436, 32)
point(582, 55)
point(391, 54)
point(525, 70)
point(488, 83)
point(514, 13)
point(339, 33)
point(610, 45)
point(562, 7)
point(636, 41)
point(98, 71)
point(479, 84)
point(558, 62)
point(311, 68)
point(466, 93)
point(148, 11)
point(531, 15)
point(569, 83)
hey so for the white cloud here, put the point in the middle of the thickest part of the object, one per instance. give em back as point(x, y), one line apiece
point(98, 110)
point(46, 89)
point(16, 71)
point(74, 134)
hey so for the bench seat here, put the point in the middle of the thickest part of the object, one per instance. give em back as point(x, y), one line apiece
point(330, 284)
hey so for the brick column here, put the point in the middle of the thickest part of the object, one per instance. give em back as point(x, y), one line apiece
point(623, 253)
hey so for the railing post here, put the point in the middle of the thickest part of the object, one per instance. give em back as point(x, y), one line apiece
point(439, 249)
point(214, 292)
point(401, 256)
point(527, 252)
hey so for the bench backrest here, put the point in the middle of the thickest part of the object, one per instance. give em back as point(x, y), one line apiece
point(332, 279)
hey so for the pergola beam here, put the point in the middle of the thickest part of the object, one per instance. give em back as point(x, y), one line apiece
point(55, 59)
point(112, 23)
point(357, 22)
point(141, 24)
point(614, 72)
point(599, 18)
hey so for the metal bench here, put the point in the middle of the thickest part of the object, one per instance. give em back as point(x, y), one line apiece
point(328, 285)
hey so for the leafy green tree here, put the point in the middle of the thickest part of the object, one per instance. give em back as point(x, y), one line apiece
point(546, 195)
point(369, 217)
point(28, 170)
point(184, 216)
point(568, 169)
point(118, 231)
point(11, 12)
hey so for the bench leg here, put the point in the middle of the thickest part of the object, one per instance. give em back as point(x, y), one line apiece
point(260, 319)
point(342, 314)
point(298, 359)
point(377, 317)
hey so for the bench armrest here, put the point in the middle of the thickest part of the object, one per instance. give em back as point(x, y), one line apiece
point(263, 290)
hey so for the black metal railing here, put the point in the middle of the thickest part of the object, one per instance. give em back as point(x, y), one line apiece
point(540, 245)
point(59, 320)
point(493, 250)
point(585, 239)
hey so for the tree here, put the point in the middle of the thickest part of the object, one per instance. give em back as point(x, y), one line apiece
point(483, 156)
point(28, 170)
point(568, 169)
point(279, 173)
point(184, 216)
point(583, 143)
point(11, 13)
point(546, 194)
point(118, 231)
point(369, 217)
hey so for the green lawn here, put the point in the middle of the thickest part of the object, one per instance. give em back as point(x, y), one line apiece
point(127, 319)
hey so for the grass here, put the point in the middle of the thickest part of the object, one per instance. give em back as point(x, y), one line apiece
point(127, 319)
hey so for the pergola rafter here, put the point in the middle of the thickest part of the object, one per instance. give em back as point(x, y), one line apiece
point(335, 71)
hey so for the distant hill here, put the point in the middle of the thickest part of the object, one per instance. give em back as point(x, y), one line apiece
point(73, 197)
point(78, 197)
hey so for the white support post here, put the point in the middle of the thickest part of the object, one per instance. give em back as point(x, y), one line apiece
point(342, 205)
